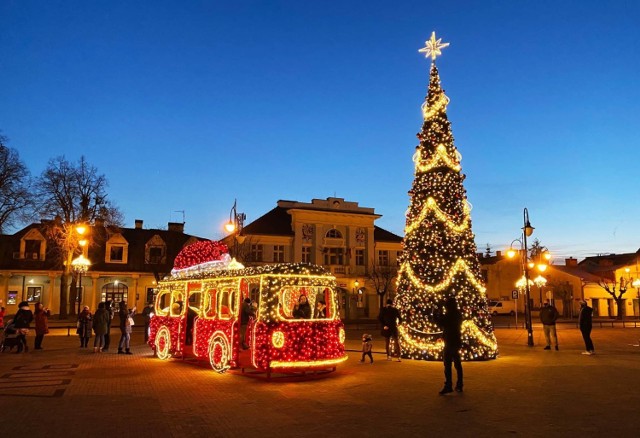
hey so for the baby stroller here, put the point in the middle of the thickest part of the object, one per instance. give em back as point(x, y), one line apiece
point(9, 338)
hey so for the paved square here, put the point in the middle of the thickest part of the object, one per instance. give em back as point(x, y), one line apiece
point(65, 391)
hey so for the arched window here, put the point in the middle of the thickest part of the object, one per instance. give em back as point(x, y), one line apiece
point(115, 292)
point(333, 234)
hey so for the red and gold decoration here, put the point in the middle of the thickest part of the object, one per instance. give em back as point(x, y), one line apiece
point(439, 258)
point(212, 288)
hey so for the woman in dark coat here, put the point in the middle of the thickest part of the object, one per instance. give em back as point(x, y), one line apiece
point(21, 322)
point(41, 316)
point(84, 326)
point(100, 326)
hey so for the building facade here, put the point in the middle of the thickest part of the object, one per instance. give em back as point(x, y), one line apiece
point(337, 234)
point(126, 263)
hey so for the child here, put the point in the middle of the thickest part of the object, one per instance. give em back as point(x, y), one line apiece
point(367, 345)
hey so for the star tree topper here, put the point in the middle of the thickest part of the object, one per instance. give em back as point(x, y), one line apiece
point(433, 46)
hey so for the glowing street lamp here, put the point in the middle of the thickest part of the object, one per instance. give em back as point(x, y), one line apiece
point(235, 225)
point(80, 265)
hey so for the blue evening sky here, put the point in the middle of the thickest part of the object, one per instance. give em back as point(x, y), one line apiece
point(186, 105)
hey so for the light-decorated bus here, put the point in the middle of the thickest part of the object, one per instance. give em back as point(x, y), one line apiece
point(198, 309)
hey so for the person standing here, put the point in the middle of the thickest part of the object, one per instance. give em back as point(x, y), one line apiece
point(585, 321)
point(146, 314)
point(451, 322)
point(21, 322)
point(548, 317)
point(126, 318)
point(109, 307)
point(389, 318)
point(41, 316)
point(100, 325)
point(84, 326)
point(245, 315)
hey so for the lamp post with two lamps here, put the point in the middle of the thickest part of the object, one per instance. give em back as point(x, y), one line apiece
point(235, 225)
point(527, 231)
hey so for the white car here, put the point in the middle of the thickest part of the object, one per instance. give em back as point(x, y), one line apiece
point(502, 308)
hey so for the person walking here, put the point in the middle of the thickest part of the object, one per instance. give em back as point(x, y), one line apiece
point(389, 318)
point(84, 326)
point(585, 321)
point(22, 322)
point(548, 316)
point(126, 320)
point(451, 322)
point(41, 316)
point(146, 315)
point(100, 325)
point(367, 346)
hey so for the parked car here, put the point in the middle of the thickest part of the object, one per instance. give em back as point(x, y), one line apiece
point(502, 308)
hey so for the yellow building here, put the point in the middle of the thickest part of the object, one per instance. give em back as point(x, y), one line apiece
point(337, 234)
point(126, 263)
point(567, 284)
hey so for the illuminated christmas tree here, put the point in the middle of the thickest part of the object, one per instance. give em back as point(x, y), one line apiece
point(439, 258)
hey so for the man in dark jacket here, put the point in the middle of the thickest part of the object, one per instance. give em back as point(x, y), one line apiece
point(548, 317)
point(389, 318)
point(451, 323)
point(585, 323)
point(21, 321)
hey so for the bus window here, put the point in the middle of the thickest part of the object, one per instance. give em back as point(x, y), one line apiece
point(162, 303)
point(177, 307)
point(195, 301)
point(226, 301)
point(320, 300)
point(211, 307)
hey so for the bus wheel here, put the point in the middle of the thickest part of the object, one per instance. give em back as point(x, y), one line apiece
point(219, 353)
point(163, 343)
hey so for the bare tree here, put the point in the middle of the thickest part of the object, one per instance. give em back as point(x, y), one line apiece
point(383, 278)
point(16, 201)
point(73, 193)
point(610, 287)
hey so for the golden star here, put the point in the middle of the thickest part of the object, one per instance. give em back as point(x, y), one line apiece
point(433, 46)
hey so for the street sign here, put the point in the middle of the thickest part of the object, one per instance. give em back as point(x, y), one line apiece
point(514, 294)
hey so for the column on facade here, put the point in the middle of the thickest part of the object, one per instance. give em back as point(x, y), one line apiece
point(95, 296)
point(4, 288)
point(136, 292)
point(296, 251)
point(51, 292)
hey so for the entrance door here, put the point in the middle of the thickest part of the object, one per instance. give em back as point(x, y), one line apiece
point(596, 306)
point(636, 307)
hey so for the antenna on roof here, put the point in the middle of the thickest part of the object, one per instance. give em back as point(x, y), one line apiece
point(181, 211)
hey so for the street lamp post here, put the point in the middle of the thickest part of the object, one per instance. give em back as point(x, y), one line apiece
point(235, 225)
point(527, 231)
point(80, 266)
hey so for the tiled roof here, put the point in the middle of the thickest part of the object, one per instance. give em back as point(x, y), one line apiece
point(382, 235)
point(577, 271)
point(276, 222)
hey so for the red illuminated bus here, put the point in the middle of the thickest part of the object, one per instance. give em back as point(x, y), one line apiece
point(202, 308)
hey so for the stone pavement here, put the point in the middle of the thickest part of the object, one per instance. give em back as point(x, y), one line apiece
point(65, 391)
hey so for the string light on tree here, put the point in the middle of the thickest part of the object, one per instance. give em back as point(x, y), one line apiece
point(439, 258)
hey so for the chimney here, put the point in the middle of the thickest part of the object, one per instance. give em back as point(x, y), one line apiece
point(176, 226)
point(499, 253)
point(99, 222)
point(571, 262)
point(480, 255)
point(138, 224)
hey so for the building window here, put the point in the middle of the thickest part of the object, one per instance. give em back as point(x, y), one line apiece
point(116, 254)
point(278, 253)
point(333, 256)
point(256, 253)
point(383, 258)
point(32, 249)
point(306, 254)
point(34, 293)
point(333, 234)
point(155, 254)
point(359, 257)
point(151, 295)
point(115, 292)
